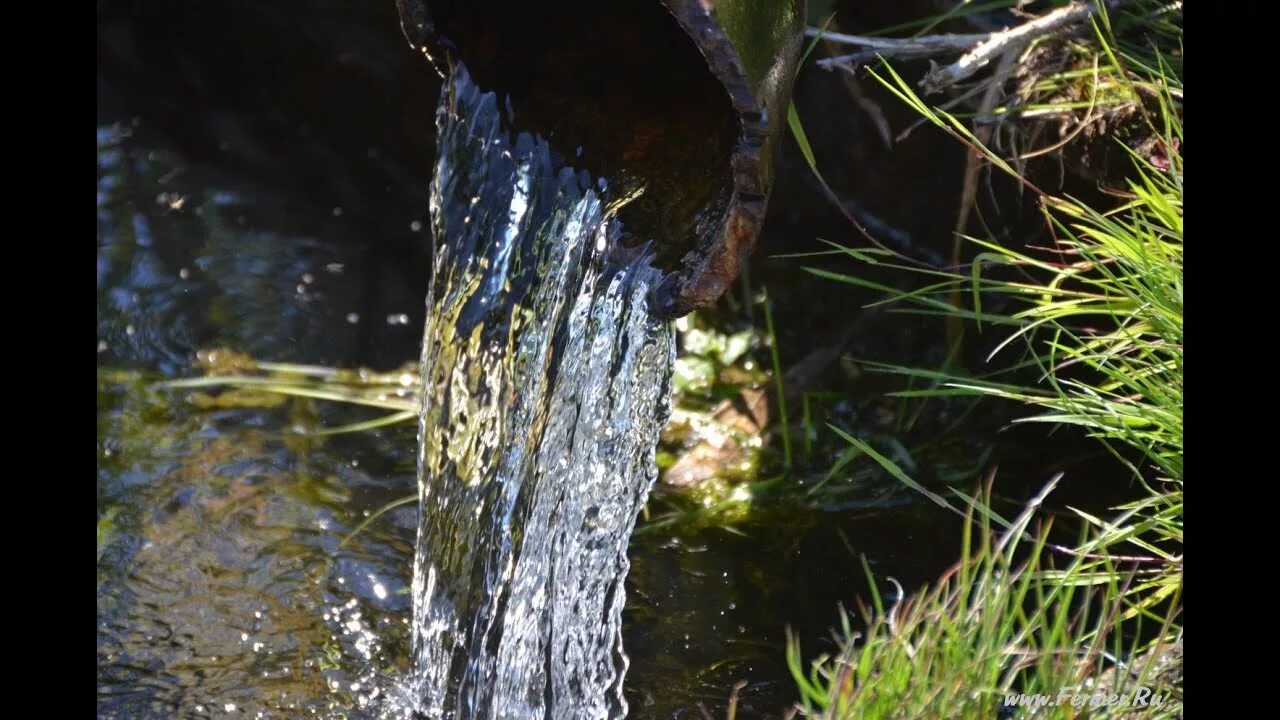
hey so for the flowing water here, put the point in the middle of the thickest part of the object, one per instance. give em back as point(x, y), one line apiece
point(547, 381)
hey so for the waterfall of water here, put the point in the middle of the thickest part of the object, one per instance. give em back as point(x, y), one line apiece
point(546, 381)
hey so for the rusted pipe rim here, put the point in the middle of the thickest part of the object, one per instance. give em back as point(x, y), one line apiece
point(752, 48)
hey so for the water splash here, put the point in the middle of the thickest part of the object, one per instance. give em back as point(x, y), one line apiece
point(546, 382)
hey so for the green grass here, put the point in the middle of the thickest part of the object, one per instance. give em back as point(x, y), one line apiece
point(1093, 340)
point(1001, 622)
point(1099, 316)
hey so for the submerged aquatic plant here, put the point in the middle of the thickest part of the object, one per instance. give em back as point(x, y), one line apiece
point(248, 381)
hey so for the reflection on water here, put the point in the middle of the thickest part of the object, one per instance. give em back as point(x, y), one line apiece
point(187, 260)
point(222, 589)
point(221, 583)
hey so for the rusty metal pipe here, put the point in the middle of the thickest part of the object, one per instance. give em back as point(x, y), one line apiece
point(678, 102)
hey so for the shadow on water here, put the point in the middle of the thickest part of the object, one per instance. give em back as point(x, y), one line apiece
point(271, 198)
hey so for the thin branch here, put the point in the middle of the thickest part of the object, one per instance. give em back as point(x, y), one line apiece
point(978, 49)
point(1002, 42)
point(925, 46)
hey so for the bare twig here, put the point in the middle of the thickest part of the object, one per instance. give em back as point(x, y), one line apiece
point(925, 46)
point(1006, 41)
point(978, 49)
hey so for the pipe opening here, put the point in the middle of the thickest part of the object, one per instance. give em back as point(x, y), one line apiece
point(617, 81)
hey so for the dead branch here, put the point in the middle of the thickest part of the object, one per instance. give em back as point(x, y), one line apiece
point(978, 50)
point(925, 46)
point(1005, 42)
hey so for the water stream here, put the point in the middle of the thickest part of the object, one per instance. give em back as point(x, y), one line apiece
point(547, 382)
point(251, 565)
